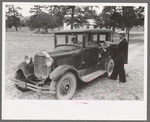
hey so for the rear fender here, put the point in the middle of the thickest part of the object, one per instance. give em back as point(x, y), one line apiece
point(27, 69)
point(61, 70)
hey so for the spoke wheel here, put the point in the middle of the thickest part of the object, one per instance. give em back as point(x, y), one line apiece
point(66, 86)
point(110, 66)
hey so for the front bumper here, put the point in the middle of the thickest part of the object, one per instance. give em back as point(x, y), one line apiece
point(35, 86)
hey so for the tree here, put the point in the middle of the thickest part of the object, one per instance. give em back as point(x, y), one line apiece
point(79, 15)
point(37, 9)
point(42, 21)
point(140, 15)
point(57, 20)
point(13, 17)
point(13, 11)
point(71, 10)
point(103, 20)
point(57, 12)
point(24, 21)
point(60, 11)
point(111, 17)
point(88, 12)
point(13, 21)
point(129, 18)
point(124, 17)
point(39, 19)
point(55, 9)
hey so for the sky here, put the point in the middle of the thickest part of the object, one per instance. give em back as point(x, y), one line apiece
point(27, 6)
point(25, 9)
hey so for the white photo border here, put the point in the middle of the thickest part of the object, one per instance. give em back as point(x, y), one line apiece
point(73, 110)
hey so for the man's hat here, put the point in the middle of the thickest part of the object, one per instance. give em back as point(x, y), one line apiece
point(122, 32)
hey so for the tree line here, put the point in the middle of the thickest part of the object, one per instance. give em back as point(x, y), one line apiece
point(124, 17)
point(53, 16)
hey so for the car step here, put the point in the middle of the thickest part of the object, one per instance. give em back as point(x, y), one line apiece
point(93, 75)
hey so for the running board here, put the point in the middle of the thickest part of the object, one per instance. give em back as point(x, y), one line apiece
point(92, 76)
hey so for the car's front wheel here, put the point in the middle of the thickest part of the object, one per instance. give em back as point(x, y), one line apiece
point(66, 86)
point(20, 76)
point(109, 67)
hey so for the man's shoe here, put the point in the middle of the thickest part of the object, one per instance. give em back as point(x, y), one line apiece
point(112, 78)
point(122, 81)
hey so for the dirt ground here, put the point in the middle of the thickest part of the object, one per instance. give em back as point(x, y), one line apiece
point(19, 44)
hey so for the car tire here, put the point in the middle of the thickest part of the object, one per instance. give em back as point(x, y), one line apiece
point(109, 67)
point(20, 76)
point(66, 86)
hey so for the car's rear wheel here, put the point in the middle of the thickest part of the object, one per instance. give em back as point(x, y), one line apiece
point(20, 76)
point(66, 86)
point(109, 67)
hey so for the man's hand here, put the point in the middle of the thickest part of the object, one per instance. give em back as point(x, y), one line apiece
point(106, 44)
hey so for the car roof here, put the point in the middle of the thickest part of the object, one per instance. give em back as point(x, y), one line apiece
point(79, 31)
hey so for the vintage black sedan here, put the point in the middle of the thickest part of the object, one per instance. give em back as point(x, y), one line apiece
point(78, 55)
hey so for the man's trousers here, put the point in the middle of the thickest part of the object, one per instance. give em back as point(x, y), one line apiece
point(118, 70)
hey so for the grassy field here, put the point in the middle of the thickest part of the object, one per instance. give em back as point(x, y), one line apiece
point(21, 43)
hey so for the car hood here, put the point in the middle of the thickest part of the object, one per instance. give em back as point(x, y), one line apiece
point(64, 51)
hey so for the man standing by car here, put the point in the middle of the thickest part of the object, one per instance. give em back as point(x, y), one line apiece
point(120, 58)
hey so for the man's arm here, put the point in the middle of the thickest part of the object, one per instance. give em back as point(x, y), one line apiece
point(119, 46)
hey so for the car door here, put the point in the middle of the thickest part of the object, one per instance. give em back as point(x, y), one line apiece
point(90, 52)
point(90, 57)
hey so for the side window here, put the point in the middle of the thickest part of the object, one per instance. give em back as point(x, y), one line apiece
point(95, 38)
point(75, 39)
point(79, 37)
point(102, 37)
point(91, 39)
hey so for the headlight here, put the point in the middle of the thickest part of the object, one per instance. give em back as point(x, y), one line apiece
point(28, 59)
point(49, 61)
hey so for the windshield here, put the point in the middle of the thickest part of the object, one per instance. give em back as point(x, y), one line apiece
point(72, 39)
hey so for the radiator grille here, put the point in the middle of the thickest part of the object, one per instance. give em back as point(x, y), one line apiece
point(40, 68)
point(40, 60)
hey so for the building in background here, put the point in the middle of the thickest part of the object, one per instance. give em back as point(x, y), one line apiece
point(89, 25)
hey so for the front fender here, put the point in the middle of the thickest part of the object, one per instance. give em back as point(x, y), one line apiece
point(61, 70)
point(26, 68)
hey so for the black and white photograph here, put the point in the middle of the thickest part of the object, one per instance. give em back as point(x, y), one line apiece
point(76, 57)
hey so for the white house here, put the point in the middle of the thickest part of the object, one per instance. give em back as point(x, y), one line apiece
point(90, 25)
